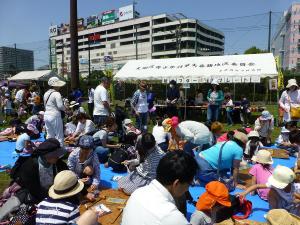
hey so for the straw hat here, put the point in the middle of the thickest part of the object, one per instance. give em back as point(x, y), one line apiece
point(56, 82)
point(281, 177)
point(73, 103)
point(282, 217)
point(215, 192)
point(65, 185)
point(253, 133)
point(241, 137)
point(265, 115)
point(291, 82)
point(263, 156)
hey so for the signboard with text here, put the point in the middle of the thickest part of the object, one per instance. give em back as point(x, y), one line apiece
point(53, 31)
point(126, 13)
point(108, 17)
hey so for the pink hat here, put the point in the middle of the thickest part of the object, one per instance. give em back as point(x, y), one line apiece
point(175, 121)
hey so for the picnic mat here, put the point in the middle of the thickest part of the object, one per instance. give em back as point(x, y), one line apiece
point(245, 177)
point(260, 207)
point(278, 153)
point(110, 198)
point(241, 222)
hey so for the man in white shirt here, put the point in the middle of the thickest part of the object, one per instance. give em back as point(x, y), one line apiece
point(154, 203)
point(101, 102)
point(91, 92)
point(19, 98)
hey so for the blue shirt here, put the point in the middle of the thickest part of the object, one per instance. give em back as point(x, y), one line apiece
point(20, 143)
point(231, 151)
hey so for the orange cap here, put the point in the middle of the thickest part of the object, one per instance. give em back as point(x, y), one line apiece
point(215, 192)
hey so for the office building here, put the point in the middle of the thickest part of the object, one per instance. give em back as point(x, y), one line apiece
point(286, 41)
point(114, 42)
point(15, 60)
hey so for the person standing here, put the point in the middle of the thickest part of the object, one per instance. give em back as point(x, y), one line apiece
point(215, 98)
point(172, 98)
point(91, 100)
point(101, 102)
point(140, 106)
point(53, 110)
point(290, 98)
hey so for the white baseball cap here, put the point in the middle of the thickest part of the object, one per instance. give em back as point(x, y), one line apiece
point(56, 82)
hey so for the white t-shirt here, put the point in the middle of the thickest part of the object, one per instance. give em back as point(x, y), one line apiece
point(91, 95)
point(84, 128)
point(159, 134)
point(100, 96)
point(152, 204)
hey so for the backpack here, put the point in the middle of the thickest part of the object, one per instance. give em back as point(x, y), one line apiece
point(116, 158)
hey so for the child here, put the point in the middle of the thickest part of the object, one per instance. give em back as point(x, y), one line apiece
point(261, 171)
point(229, 108)
point(129, 127)
point(252, 145)
point(212, 205)
point(161, 136)
point(282, 191)
point(264, 125)
point(217, 131)
point(24, 144)
point(291, 125)
point(7, 103)
point(245, 111)
point(283, 141)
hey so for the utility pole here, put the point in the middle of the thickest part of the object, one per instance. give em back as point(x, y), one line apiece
point(269, 37)
point(16, 58)
point(89, 45)
point(50, 61)
point(196, 38)
point(74, 45)
point(63, 60)
point(136, 42)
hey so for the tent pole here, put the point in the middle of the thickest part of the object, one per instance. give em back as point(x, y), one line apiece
point(185, 91)
point(234, 91)
point(253, 92)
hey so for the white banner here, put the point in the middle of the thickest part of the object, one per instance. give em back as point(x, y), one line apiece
point(53, 31)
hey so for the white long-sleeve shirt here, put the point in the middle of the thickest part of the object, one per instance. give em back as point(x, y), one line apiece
point(54, 104)
point(264, 129)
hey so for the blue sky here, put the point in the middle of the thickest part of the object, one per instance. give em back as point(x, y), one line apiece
point(26, 22)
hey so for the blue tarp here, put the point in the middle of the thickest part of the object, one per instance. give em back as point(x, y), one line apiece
point(260, 207)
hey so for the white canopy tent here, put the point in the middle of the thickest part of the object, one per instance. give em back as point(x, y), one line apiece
point(39, 75)
point(227, 68)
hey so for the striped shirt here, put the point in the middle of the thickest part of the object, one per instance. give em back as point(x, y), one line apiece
point(51, 211)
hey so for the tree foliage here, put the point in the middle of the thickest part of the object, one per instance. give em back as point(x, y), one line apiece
point(254, 50)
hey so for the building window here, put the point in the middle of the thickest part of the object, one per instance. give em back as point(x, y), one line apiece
point(113, 45)
point(102, 54)
point(98, 54)
point(68, 52)
point(109, 53)
point(115, 52)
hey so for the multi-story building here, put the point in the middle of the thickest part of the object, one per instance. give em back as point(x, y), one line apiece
point(160, 36)
point(286, 41)
point(15, 60)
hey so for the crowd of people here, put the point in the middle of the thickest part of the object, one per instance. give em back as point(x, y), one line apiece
point(161, 163)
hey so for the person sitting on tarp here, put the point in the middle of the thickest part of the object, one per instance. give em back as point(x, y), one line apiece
point(34, 175)
point(24, 144)
point(212, 205)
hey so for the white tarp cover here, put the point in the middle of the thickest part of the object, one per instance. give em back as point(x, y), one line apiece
point(227, 68)
point(38, 75)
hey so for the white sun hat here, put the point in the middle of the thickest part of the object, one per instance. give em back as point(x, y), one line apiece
point(263, 156)
point(56, 82)
point(281, 177)
point(291, 82)
point(215, 81)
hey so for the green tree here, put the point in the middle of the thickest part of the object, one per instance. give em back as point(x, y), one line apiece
point(254, 50)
